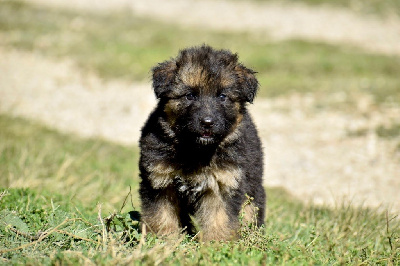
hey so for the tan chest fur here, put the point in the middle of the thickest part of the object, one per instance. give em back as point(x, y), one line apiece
point(217, 179)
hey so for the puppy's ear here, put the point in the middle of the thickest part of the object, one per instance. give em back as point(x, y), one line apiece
point(164, 77)
point(247, 81)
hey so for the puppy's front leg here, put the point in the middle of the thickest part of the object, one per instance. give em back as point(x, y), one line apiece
point(161, 214)
point(213, 218)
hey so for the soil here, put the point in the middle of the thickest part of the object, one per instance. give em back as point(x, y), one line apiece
point(308, 151)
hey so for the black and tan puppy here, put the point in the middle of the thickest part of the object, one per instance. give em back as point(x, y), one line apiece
point(200, 152)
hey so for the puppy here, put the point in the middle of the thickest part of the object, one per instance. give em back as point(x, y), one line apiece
point(201, 156)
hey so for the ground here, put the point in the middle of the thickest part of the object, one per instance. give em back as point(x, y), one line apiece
point(308, 152)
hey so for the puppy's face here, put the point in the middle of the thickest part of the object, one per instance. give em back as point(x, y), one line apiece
point(203, 93)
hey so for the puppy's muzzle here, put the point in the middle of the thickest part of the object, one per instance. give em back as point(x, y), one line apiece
point(206, 137)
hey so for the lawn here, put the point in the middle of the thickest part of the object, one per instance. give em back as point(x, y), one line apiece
point(66, 200)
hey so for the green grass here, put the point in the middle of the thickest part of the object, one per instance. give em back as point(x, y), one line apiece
point(375, 7)
point(391, 131)
point(86, 170)
point(121, 45)
point(55, 219)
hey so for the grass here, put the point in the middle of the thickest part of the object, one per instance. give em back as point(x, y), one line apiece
point(375, 7)
point(121, 45)
point(81, 212)
point(391, 131)
point(36, 157)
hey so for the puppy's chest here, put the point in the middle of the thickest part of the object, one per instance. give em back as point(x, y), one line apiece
point(216, 179)
point(192, 190)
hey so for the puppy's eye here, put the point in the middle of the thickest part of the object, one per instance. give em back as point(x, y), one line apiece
point(222, 97)
point(190, 97)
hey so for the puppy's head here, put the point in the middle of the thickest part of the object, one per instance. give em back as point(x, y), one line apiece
point(203, 93)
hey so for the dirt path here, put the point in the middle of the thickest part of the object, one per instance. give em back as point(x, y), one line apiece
point(59, 95)
point(337, 26)
point(307, 152)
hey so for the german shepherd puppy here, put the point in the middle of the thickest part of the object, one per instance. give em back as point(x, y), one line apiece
point(200, 152)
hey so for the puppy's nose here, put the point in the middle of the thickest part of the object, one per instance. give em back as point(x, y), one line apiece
point(207, 121)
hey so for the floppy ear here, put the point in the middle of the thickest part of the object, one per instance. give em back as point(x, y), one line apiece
point(247, 81)
point(164, 77)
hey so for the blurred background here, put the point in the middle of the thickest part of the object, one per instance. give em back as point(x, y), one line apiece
point(75, 89)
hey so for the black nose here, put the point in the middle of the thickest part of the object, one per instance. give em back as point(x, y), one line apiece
point(207, 121)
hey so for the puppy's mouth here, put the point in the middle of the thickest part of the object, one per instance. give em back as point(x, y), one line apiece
point(206, 138)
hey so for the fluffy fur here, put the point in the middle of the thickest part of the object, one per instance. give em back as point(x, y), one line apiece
point(200, 152)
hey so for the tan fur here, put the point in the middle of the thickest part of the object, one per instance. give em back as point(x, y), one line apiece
point(227, 79)
point(162, 175)
point(243, 73)
point(193, 76)
point(172, 111)
point(167, 70)
point(219, 180)
point(213, 177)
point(228, 178)
point(163, 220)
point(235, 133)
point(213, 219)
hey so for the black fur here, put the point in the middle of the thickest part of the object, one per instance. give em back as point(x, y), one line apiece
point(200, 152)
